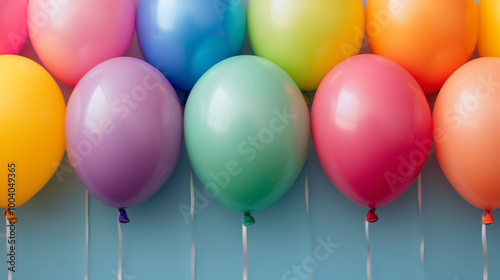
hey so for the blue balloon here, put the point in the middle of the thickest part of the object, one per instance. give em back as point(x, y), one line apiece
point(184, 38)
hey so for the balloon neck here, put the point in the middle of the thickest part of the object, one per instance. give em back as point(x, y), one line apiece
point(122, 218)
point(371, 216)
point(488, 218)
point(248, 220)
point(10, 216)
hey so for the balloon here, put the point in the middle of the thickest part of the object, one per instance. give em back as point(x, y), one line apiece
point(123, 131)
point(489, 28)
point(431, 39)
point(13, 25)
point(71, 37)
point(184, 38)
point(372, 129)
point(247, 132)
point(306, 38)
point(467, 131)
point(32, 125)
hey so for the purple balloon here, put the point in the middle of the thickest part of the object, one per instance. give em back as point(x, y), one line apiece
point(123, 131)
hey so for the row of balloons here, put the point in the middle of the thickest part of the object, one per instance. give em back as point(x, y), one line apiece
point(246, 125)
point(183, 39)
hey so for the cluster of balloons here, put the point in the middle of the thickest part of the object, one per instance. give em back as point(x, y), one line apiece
point(122, 128)
point(246, 125)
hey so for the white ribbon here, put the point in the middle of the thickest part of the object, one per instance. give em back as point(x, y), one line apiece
point(86, 272)
point(245, 268)
point(120, 263)
point(193, 259)
point(193, 247)
point(422, 242)
point(485, 254)
point(306, 194)
point(368, 253)
point(191, 189)
point(306, 186)
point(7, 234)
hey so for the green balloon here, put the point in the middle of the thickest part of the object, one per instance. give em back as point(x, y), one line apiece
point(247, 132)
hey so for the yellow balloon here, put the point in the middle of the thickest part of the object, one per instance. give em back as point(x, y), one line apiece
point(307, 38)
point(32, 141)
point(488, 43)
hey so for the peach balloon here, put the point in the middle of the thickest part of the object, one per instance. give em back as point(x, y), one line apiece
point(467, 132)
point(71, 37)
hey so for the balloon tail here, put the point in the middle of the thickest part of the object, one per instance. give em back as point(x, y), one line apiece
point(122, 217)
point(10, 216)
point(488, 218)
point(248, 219)
point(371, 216)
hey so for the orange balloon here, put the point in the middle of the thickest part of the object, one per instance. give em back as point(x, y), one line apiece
point(430, 38)
point(489, 28)
point(467, 131)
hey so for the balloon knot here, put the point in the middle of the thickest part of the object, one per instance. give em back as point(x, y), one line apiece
point(122, 218)
point(10, 216)
point(488, 218)
point(371, 216)
point(248, 220)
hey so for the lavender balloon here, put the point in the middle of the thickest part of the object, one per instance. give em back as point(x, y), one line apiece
point(123, 131)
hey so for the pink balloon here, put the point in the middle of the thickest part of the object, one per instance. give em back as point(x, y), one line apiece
point(73, 36)
point(13, 26)
point(372, 129)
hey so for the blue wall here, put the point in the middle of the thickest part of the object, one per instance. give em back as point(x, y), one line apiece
point(157, 243)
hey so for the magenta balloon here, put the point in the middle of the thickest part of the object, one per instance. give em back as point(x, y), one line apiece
point(372, 129)
point(72, 36)
point(123, 131)
point(13, 25)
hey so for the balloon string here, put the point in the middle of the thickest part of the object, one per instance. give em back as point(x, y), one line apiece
point(245, 267)
point(86, 272)
point(368, 252)
point(193, 247)
point(193, 260)
point(191, 190)
point(120, 263)
point(306, 193)
point(485, 254)
point(306, 186)
point(9, 272)
point(422, 241)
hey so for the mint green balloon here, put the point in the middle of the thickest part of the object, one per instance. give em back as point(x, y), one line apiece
point(247, 132)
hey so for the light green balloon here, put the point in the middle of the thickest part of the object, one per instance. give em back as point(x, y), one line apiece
point(247, 132)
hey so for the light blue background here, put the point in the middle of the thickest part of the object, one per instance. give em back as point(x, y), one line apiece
point(157, 243)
